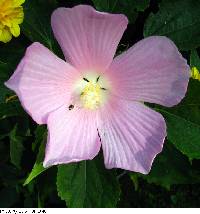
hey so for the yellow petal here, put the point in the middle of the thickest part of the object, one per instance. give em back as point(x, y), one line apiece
point(1, 26)
point(17, 3)
point(6, 22)
point(195, 73)
point(15, 30)
point(2, 2)
point(5, 35)
point(11, 15)
point(18, 16)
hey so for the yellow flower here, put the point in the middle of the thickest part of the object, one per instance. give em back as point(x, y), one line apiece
point(195, 73)
point(11, 15)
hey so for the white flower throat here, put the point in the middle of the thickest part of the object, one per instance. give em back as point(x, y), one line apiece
point(90, 92)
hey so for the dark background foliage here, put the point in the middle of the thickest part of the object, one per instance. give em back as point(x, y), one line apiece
point(174, 180)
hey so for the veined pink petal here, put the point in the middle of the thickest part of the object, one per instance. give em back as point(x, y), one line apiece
point(42, 82)
point(131, 135)
point(152, 70)
point(88, 38)
point(72, 136)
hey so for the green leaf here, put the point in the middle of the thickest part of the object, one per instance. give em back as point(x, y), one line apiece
point(6, 127)
point(192, 97)
point(189, 108)
point(169, 168)
point(16, 148)
point(4, 91)
point(40, 136)
point(8, 197)
point(10, 109)
point(38, 166)
point(47, 186)
point(178, 20)
point(128, 7)
point(10, 54)
point(87, 184)
point(183, 122)
point(9, 174)
point(185, 135)
point(36, 25)
point(141, 5)
point(194, 59)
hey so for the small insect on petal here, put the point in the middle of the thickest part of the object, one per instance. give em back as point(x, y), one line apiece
point(71, 107)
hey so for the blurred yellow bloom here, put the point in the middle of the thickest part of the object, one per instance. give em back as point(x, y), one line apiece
point(195, 73)
point(11, 15)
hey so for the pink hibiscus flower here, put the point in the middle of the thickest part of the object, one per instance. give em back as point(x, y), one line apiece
point(93, 100)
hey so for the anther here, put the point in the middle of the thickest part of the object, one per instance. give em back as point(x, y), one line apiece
point(103, 89)
point(97, 79)
point(86, 79)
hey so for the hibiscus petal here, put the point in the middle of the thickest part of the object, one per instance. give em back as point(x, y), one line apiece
point(153, 71)
point(88, 38)
point(42, 82)
point(131, 135)
point(72, 136)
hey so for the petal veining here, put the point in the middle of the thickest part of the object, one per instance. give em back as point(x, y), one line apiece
point(42, 82)
point(87, 37)
point(153, 71)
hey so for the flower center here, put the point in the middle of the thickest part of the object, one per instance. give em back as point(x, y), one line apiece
point(90, 92)
point(91, 96)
